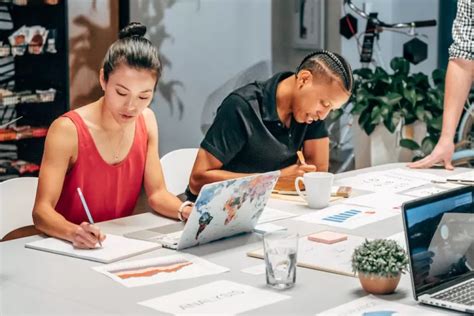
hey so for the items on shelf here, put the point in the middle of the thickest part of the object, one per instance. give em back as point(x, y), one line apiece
point(32, 38)
point(25, 2)
point(15, 168)
point(8, 97)
point(36, 85)
point(22, 132)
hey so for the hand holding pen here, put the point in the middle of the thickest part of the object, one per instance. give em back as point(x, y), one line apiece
point(297, 169)
point(87, 235)
point(303, 166)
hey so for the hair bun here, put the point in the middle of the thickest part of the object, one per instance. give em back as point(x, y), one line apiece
point(133, 29)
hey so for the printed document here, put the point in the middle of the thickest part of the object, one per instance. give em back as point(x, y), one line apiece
point(219, 297)
point(270, 214)
point(395, 180)
point(345, 216)
point(159, 270)
point(371, 305)
point(383, 201)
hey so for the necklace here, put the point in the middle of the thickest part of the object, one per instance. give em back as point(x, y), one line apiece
point(118, 148)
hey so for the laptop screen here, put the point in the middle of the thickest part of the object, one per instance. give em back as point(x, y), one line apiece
point(440, 236)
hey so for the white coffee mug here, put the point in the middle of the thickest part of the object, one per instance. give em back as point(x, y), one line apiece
point(318, 188)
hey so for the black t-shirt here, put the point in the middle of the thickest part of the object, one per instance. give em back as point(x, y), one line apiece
point(247, 135)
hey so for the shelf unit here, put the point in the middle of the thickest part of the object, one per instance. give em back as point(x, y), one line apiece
point(31, 72)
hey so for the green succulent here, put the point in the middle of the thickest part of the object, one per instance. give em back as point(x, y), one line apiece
point(382, 257)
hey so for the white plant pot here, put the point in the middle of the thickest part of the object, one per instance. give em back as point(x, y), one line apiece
point(383, 147)
point(416, 131)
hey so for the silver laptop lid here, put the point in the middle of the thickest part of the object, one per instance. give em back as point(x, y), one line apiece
point(439, 231)
point(227, 208)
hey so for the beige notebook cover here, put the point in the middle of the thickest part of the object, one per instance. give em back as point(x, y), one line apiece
point(114, 248)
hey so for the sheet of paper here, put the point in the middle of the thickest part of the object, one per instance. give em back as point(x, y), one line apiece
point(400, 238)
point(371, 305)
point(298, 199)
point(220, 297)
point(426, 191)
point(255, 270)
point(395, 180)
point(270, 214)
point(335, 258)
point(345, 216)
point(267, 228)
point(449, 185)
point(113, 248)
point(159, 270)
point(465, 176)
point(380, 201)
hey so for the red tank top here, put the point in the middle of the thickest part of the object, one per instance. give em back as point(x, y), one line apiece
point(111, 191)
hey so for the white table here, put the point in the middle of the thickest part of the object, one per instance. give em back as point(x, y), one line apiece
point(41, 283)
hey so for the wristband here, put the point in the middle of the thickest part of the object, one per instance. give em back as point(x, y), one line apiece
point(181, 208)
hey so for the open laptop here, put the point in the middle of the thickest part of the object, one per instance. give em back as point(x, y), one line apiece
point(222, 209)
point(439, 231)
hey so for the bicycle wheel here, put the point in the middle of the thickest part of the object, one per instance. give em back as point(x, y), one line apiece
point(466, 132)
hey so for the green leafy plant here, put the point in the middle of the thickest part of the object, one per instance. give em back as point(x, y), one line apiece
point(382, 257)
point(386, 98)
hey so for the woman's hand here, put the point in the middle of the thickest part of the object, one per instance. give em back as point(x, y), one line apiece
point(86, 236)
point(187, 211)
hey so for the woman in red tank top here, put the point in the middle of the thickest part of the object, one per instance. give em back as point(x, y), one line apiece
point(108, 149)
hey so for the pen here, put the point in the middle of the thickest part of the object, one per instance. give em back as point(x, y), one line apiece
point(86, 208)
point(299, 153)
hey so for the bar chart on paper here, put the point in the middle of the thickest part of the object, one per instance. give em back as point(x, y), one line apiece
point(342, 217)
point(345, 216)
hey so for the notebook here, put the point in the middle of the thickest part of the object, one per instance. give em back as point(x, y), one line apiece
point(113, 248)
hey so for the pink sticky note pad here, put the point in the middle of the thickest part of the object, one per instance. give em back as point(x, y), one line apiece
point(327, 237)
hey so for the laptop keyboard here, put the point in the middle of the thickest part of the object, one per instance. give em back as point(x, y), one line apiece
point(169, 237)
point(460, 294)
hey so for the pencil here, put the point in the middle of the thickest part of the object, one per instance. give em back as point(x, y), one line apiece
point(299, 153)
point(86, 208)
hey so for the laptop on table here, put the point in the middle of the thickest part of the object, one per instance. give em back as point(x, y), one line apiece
point(439, 231)
point(222, 209)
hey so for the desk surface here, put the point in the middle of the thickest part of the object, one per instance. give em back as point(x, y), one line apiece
point(42, 283)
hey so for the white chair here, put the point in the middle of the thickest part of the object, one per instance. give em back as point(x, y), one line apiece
point(177, 166)
point(17, 197)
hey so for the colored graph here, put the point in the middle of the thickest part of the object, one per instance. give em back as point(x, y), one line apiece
point(342, 217)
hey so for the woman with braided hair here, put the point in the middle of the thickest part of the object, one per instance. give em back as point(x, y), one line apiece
point(261, 126)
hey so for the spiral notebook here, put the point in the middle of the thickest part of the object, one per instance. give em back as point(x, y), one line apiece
point(113, 248)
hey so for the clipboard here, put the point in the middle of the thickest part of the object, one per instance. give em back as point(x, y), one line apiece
point(334, 258)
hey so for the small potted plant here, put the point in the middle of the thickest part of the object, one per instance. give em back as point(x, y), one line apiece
point(379, 264)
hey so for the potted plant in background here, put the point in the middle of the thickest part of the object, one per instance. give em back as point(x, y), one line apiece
point(379, 264)
point(385, 103)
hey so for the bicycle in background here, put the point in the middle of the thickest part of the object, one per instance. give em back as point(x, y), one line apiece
point(340, 123)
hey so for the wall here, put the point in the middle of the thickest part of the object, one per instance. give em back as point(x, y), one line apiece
point(285, 55)
point(205, 46)
point(93, 26)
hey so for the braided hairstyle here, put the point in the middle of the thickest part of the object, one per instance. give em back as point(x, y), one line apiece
point(134, 50)
point(330, 65)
